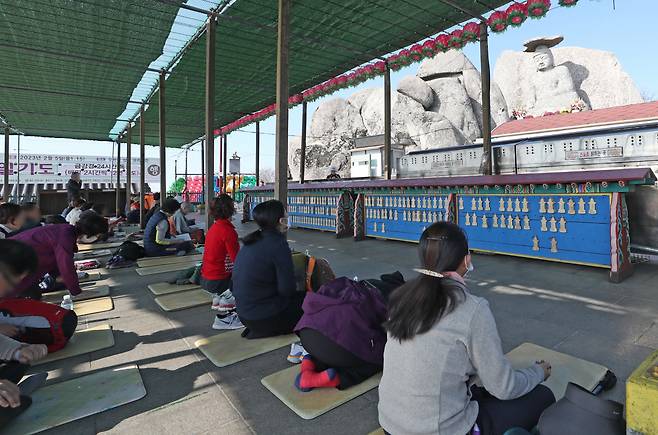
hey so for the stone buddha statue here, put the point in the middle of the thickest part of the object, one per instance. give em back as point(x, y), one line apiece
point(553, 87)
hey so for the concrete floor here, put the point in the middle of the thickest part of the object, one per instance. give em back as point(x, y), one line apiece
point(568, 308)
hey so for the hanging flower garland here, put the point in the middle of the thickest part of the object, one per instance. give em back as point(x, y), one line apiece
point(497, 22)
point(515, 15)
point(538, 8)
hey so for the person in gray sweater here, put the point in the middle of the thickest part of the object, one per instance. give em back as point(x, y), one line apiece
point(442, 342)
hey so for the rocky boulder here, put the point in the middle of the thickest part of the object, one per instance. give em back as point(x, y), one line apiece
point(416, 89)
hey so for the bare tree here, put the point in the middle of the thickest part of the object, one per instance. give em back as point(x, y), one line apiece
point(267, 175)
point(648, 95)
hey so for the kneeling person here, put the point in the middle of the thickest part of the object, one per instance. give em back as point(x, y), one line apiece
point(158, 240)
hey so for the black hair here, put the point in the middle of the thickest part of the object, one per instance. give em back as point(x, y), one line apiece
point(91, 224)
point(267, 215)
point(98, 208)
point(9, 211)
point(29, 206)
point(87, 206)
point(55, 219)
point(17, 257)
point(78, 202)
point(222, 207)
point(417, 305)
point(156, 196)
point(170, 205)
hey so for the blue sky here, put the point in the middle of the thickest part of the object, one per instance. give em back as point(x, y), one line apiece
point(629, 31)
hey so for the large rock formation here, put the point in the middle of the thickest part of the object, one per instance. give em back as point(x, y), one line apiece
point(599, 78)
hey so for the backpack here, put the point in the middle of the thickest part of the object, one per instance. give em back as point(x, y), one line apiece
point(130, 251)
point(39, 322)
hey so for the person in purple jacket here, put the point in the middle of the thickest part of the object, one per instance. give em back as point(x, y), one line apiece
point(55, 246)
point(341, 330)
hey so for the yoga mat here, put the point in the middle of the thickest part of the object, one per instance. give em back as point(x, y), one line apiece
point(565, 368)
point(229, 347)
point(63, 402)
point(91, 292)
point(171, 259)
point(183, 300)
point(154, 270)
point(83, 341)
point(93, 276)
point(93, 306)
point(164, 288)
point(314, 403)
point(91, 246)
point(379, 431)
point(90, 255)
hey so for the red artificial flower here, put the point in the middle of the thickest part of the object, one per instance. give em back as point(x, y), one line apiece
point(538, 8)
point(516, 14)
point(457, 38)
point(429, 48)
point(416, 52)
point(497, 21)
point(442, 42)
point(380, 66)
point(568, 3)
point(404, 57)
point(471, 32)
point(394, 62)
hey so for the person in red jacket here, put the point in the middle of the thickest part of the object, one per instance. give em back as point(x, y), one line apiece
point(219, 253)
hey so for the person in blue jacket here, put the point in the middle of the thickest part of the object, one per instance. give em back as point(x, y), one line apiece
point(264, 285)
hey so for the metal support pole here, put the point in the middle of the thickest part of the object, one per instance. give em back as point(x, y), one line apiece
point(163, 140)
point(129, 167)
point(203, 171)
point(142, 169)
point(225, 164)
point(118, 185)
point(387, 122)
point(302, 158)
point(210, 119)
point(5, 179)
point(186, 197)
point(281, 148)
point(487, 158)
point(257, 153)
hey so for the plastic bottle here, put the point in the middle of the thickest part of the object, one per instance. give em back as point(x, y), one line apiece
point(67, 302)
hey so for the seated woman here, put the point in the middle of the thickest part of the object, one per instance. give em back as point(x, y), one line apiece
point(181, 225)
point(12, 218)
point(158, 240)
point(18, 260)
point(440, 338)
point(55, 246)
point(264, 284)
point(341, 329)
point(219, 253)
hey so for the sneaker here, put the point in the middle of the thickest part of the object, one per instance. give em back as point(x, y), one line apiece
point(224, 302)
point(229, 321)
point(297, 353)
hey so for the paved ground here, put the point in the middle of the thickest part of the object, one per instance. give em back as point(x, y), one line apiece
point(571, 309)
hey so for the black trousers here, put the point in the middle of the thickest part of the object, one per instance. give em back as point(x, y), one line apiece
point(281, 324)
point(351, 369)
point(13, 372)
point(497, 416)
point(216, 286)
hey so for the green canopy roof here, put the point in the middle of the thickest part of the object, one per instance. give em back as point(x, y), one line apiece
point(68, 67)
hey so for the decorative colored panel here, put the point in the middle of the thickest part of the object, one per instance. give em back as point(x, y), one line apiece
point(570, 228)
point(404, 216)
point(313, 210)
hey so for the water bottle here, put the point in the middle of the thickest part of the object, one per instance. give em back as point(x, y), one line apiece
point(67, 302)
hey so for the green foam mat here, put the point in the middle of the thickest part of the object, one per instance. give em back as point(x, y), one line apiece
point(230, 347)
point(83, 341)
point(90, 292)
point(63, 402)
point(164, 288)
point(183, 300)
point(154, 270)
point(316, 402)
point(170, 259)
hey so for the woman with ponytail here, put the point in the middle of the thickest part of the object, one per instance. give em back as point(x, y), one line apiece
point(440, 339)
point(263, 276)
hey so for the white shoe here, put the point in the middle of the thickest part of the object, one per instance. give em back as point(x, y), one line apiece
point(297, 353)
point(224, 302)
point(230, 321)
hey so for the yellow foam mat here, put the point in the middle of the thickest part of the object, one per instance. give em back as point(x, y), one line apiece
point(63, 402)
point(93, 306)
point(171, 259)
point(565, 368)
point(92, 276)
point(316, 402)
point(83, 341)
point(91, 292)
point(90, 247)
point(229, 347)
point(183, 300)
point(164, 288)
point(379, 431)
point(154, 270)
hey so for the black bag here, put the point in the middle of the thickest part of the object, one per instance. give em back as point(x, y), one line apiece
point(130, 251)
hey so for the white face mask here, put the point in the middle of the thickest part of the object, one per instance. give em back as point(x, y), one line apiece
point(469, 268)
point(88, 239)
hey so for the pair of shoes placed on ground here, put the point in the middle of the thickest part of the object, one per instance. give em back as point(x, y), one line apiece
point(309, 378)
point(226, 317)
point(297, 353)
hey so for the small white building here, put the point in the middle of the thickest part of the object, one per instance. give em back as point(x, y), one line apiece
point(367, 157)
